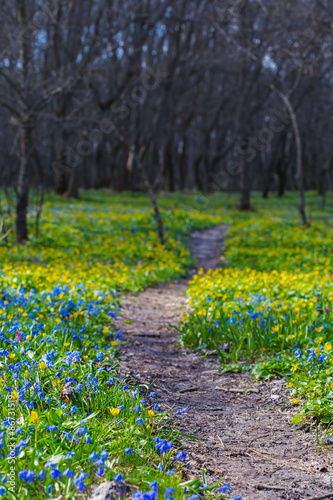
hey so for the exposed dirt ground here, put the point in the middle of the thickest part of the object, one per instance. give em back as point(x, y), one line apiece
point(243, 428)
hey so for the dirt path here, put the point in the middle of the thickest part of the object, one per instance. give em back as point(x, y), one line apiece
point(243, 428)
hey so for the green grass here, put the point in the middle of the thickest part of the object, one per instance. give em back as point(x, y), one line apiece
point(68, 420)
point(270, 309)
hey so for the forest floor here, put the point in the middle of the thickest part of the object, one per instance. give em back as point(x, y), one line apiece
point(243, 428)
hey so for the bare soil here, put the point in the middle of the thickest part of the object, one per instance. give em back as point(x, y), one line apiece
point(243, 428)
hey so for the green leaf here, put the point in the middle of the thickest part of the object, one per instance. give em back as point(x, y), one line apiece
point(297, 419)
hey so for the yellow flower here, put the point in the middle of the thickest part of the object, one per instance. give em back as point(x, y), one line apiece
point(328, 347)
point(151, 413)
point(11, 355)
point(29, 337)
point(34, 417)
point(26, 373)
point(66, 344)
point(114, 412)
point(290, 384)
point(294, 368)
point(295, 401)
point(55, 382)
point(105, 329)
point(113, 343)
point(15, 394)
point(42, 365)
point(331, 385)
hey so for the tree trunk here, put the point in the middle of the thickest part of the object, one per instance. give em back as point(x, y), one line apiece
point(73, 186)
point(22, 188)
point(244, 184)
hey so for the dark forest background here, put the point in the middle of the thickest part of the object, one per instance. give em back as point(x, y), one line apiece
point(181, 95)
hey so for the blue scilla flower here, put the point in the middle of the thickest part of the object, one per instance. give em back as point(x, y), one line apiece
point(42, 475)
point(225, 488)
point(99, 463)
point(100, 471)
point(181, 456)
point(27, 475)
point(55, 473)
point(68, 473)
point(169, 492)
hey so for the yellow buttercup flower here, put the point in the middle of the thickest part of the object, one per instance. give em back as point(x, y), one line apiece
point(151, 413)
point(42, 365)
point(14, 394)
point(34, 417)
point(114, 412)
point(328, 347)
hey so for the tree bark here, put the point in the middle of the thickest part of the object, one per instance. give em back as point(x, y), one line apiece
point(22, 187)
point(299, 163)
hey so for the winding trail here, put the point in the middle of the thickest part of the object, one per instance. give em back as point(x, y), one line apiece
point(243, 428)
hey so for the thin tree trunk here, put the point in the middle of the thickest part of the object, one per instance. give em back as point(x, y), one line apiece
point(22, 188)
point(244, 184)
point(299, 174)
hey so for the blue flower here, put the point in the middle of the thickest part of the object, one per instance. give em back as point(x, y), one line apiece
point(181, 456)
point(104, 455)
point(55, 473)
point(118, 477)
point(80, 486)
point(160, 467)
point(128, 451)
point(139, 421)
point(99, 463)
point(183, 410)
point(169, 492)
point(27, 475)
point(171, 472)
point(93, 456)
point(42, 475)
point(68, 473)
point(225, 488)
